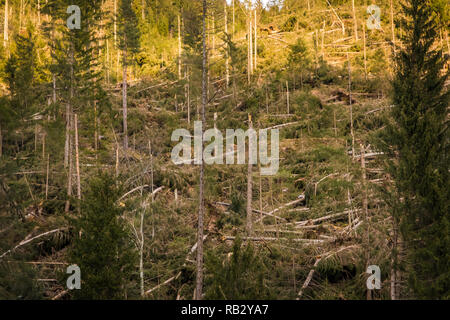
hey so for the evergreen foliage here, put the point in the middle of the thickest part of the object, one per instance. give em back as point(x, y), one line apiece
point(417, 139)
point(102, 247)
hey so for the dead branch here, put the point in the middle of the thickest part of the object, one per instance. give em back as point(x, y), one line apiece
point(140, 188)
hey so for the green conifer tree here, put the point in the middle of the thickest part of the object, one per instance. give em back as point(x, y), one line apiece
point(102, 248)
point(416, 141)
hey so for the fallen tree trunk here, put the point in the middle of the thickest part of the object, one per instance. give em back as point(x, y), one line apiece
point(313, 270)
point(24, 242)
point(254, 210)
point(271, 213)
point(312, 241)
point(326, 218)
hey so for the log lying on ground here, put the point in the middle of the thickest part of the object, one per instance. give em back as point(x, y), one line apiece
point(301, 198)
point(371, 155)
point(326, 218)
point(313, 270)
point(310, 241)
point(254, 210)
point(24, 242)
point(282, 125)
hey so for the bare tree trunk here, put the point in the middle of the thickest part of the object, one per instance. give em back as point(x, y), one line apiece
point(124, 101)
point(199, 279)
point(365, 51)
point(69, 110)
point(115, 23)
point(393, 26)
point(115, 39)
point(364, 178)
point(249, 56)
point(234, 18)
point(117, 160)
point(256, 40)
point(250, 32)
point(249, 187)
point(287, 97)
point(69, 176)
point(355, 21)
point(351, 104)
point(365, 211)
point(213, 35)
point(141, 248)
point(46, 177)
point(151, 168)
point(179, 47)
point(227, 59)
point(77, 157)
point(188, 99)
point(5, 27)
point(66, 145)
point(141, 254)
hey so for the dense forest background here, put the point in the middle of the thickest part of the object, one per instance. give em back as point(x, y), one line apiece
point(86, 177)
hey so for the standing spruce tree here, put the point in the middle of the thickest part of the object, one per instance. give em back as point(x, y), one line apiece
point(102, 249)
point(76, 74)
point(129, 44)
point(416, 142)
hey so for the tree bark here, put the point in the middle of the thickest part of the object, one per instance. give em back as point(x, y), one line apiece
point(234, 18)
point(288, 98)
point(256, 40)
point(227, 58)
point(179, 47)
point(69, 176)
point(365, 211)
point(46, 177)
point(355, 21)
point(250, 32)
point(392, 25)
point(351, 104)
point(5, 27)
point(365, 51)
point(199, 278)
point(249, 187)
point(77, 157)
point(124, 101)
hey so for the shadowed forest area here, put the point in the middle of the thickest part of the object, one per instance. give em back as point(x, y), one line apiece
point(91, 93)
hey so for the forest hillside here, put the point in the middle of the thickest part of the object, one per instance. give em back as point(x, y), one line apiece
point(348, 103)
